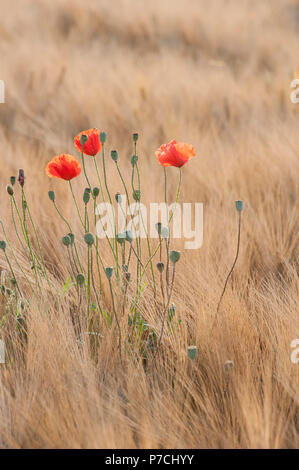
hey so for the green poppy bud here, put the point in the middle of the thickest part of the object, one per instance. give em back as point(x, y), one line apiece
point(192, 352)
point(129, 236)
point(158, 227)
point(66, 240)
point(160, 267)
point(135, 137)
point(118, 198)
point(89, 239)
point(165, 232)
point(9, 190)
point(134, 160)
point(239, 206)
point(137, 195)
point(2, 245)
point(109, 273)
point(174, 256)
point(51, 195)
point(86, 196)
point(114, 155)
point(12, 180)
point(121, 237)
point(103, 137)
point(95, 192)
point(72, 237)
point(80, 279)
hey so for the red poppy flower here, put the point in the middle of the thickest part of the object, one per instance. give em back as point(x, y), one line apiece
point(63, 166)
point(174, 153)
point(93, 144)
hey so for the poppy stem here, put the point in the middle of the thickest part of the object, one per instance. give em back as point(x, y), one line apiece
point(232, 268)
point(71, 231)
point(75, 201)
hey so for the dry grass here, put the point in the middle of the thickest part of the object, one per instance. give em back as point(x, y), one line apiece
point(214, 73)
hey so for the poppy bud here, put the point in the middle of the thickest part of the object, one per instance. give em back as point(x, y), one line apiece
point(3, 289)
point(51, 195)
point(172, 311)
point(135, 137)
point(66, 240)
point(239, 206)
point(83, 140)
point(129, 236)
point(118, 198)
point(137, 195)
point(109, 272)
point(80, 279)
point(228, 366)
point(2, 245)
point(12, 180)
point(160, 267)
point(158, 227)
point(9, 190)
point(192, 352)
point(86, 196)
point(89, 239)
point(21, 178)
point(95, 192)
point(121, 237)
point(165, 232)
point(72, 237)
point(134, 160)
point(103, 137)
point(174, 256)
point(114, 155)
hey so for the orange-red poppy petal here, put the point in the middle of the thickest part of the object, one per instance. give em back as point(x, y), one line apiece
point(63, 166)
point(93, 144)
point(175, 154)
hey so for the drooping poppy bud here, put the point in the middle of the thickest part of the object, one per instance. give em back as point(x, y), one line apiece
point(174, 256)
point(51, 195)
point(2, 245)
point(12, 180)
point(9, 190)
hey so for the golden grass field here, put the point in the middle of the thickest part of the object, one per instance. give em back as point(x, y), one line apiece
point(212, 73)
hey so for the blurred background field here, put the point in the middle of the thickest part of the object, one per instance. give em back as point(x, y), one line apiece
point(214, 73)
